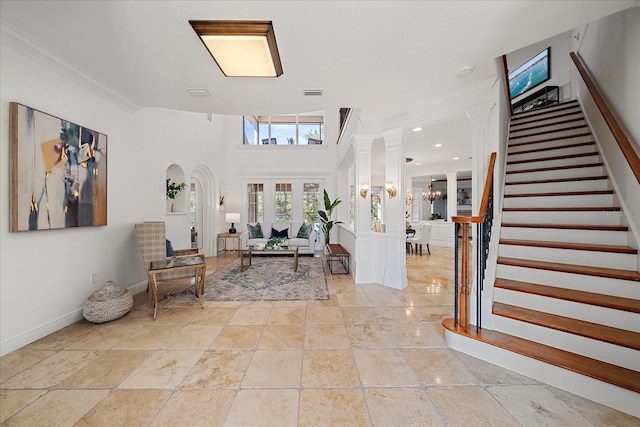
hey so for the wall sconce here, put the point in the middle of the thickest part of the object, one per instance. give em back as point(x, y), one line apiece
point(391, 189)
point(408, 199)
point(364, 189)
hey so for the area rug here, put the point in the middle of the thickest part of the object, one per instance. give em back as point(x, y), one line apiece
point(268, 279)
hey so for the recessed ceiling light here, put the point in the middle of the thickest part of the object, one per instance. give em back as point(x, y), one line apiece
point(241, 48)
point(456, 158)
point(417, 129)
point(438, 145)
point(418, 164)
point(198, 92)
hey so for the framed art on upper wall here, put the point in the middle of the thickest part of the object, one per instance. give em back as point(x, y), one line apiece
point(58, 172)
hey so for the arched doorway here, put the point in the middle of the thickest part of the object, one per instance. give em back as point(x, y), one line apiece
point(204, 209)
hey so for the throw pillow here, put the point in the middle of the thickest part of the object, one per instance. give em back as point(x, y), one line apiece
point(255, 231)
point(170, 251)
point(305, 230)
point(283, 234)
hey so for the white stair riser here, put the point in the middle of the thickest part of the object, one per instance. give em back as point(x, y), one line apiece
point(556, 174)
point(571, 256)
point(560, 151)
point(550, 187)
point(580, 282)
point(611, 353)
point(589, 313)
point(602, 237)
point(548, 111)
point(570, 133)
point(515, 148)
point(561, 217)
point(550, 127)
point(545, 201)
point(554, 163)
point(548, 124)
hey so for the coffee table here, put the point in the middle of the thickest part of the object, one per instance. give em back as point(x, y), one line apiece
point(245, 254)
point(176, 264)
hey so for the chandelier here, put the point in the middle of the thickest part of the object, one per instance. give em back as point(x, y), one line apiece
point(431, 194)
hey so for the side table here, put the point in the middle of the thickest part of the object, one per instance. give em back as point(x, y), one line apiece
point(176, 264)
point(224, 237)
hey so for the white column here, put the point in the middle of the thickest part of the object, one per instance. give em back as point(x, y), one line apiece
point(366, 251)
point(395, 274)
point(452, 194)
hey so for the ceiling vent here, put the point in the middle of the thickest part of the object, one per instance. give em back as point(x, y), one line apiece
point(198, 92)
point(312, 92)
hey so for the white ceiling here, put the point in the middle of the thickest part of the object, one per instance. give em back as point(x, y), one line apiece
point(387, 58)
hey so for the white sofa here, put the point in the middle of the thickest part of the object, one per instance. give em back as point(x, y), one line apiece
point(305, 246)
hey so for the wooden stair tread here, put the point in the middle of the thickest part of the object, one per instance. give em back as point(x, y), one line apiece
point(553, 168)
point(555, 138)
point(582, 328)
point(562, 193)
point(549, 131)
point(583, 297)
point(568, 226)
point(550, 158)
point(603, 371)
point(574, 246)
point(558, 180)
point(523, 121)
point(588, 270)
point(558, 122)
point(557, 147)
point(566, 209)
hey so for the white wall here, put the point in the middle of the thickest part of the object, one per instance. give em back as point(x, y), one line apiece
point(610, 47)
point(45, 275)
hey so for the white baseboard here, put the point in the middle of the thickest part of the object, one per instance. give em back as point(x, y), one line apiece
point(47, 328)
point(138, 287)
point(38, 332)
point(581, 385)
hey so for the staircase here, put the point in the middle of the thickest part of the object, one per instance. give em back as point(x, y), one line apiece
point(567, 288)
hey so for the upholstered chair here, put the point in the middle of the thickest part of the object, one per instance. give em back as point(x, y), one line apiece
point(422, 237)
point(152, 243)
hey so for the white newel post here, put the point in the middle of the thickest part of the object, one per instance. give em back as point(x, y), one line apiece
point(395, 268)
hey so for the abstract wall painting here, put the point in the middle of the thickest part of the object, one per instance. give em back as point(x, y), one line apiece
point(58, 175)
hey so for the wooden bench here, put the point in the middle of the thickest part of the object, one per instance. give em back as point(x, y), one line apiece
point(337, 253)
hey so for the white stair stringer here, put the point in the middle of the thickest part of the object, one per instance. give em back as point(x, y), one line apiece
point(590, 388)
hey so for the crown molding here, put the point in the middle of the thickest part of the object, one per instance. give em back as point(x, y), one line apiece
point(31, 49)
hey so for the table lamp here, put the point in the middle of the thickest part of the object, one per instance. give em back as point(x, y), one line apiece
point(232, 217)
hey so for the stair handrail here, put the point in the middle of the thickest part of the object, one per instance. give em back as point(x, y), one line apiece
point(483, 221)
point(621, 138)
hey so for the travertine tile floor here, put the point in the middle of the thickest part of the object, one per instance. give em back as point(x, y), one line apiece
point(368, 356)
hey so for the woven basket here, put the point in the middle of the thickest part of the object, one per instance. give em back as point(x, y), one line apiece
point(109, 303)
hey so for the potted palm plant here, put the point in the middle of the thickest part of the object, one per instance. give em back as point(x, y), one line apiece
point(325, 216)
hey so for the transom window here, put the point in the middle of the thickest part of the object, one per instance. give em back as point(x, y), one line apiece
point(291, 129)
